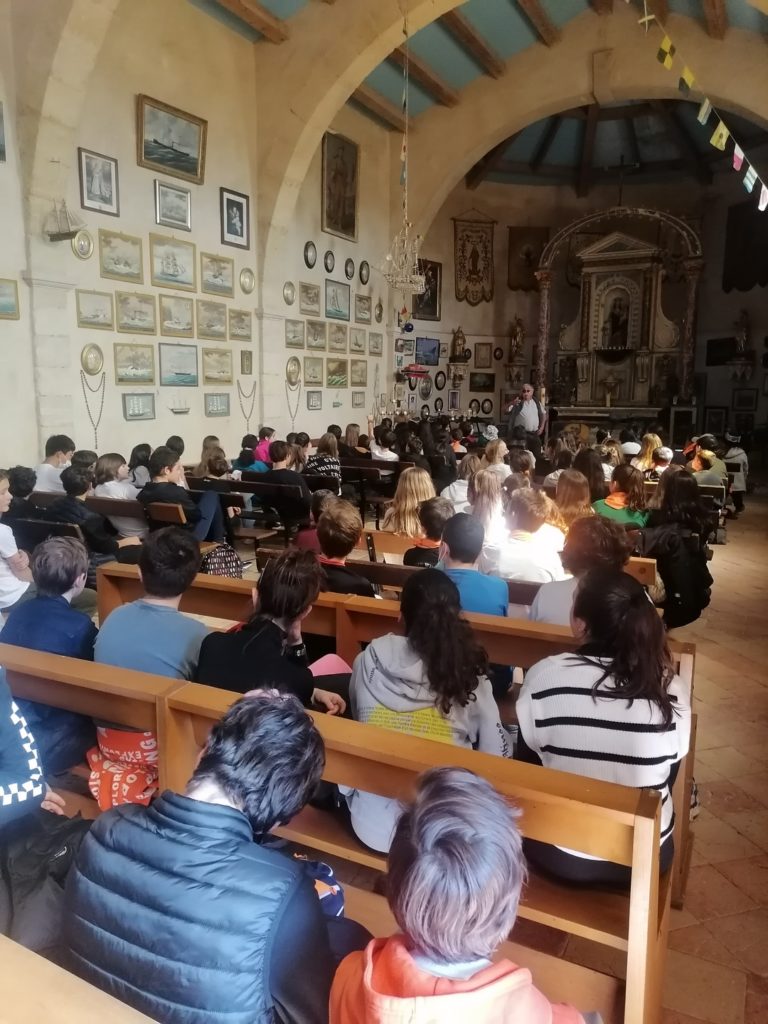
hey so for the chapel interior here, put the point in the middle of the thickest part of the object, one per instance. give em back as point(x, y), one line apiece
point(203, 205)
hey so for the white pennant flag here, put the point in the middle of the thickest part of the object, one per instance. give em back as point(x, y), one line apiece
point(704, 111)
point(763, 198)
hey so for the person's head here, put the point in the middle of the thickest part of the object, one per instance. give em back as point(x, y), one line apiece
point(320, 500)
point(456, 435)
point(339, 529)
point(563, 459)
point(468, 466)
point(495, 452)
point(216, 465)
point(453, 660)
point(5, 493)
point(526, 392)
point(518, 438)
point(59, 567)
point(414, 486)
point(386, 423)
point(433, 515)
point(364, 442)
point(523, 462)
point(165, 465)
point(328, 445)
point(463, 537)
point(628, 436)
point(59, 449)
point(140, 455)
point(572, 496)
point(289, 585)
point(613, 456)
point(278, 453)
point(169, 560)
point(703, 459)
point(21, 481)
point(648, 446)
point(264, 756)
point(335, 429)
point(662, 457)
point(76, 481)
point(595, 542)
point(657, 498)
point(625, 479)
point(352, 435)
point(616, 621)
point(414, 446)
point(707, 442)
point(387, 438)
point(176, 444)
point(249, 441)
point(589, 463)
point(84, 459)
point(211, 441)
point(302, 440)
point(601, 436)
point(265, 433)
point(513, 482)
point(484, 496)
point(527, 510)
point(680, 501)
point(290, 438)
point(110, 467)
point(245, 458)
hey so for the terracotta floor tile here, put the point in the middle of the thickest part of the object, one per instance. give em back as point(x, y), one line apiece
point(729, 761)
point(752, 824)
point(680, 919)
point(751, 876)
point(715, 840)
point(756, 1008)
point(710, 894)
point(705, 772)
point(724, 797)
point(704, 990)
point(700, 942)
point(673, 1017)
point(596, 957)
point(746, 936)
point(756, 785)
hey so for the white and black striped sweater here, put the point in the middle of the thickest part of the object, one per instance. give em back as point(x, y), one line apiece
point(605, 738)
point(22, 786)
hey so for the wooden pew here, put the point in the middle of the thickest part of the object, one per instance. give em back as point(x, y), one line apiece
point(28, 533)
point(598, 818)
point(125, 508)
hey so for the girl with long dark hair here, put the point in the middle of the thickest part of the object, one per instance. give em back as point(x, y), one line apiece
point(588, 462)
point(138, 465)
point(432, 682)
point(614, 710)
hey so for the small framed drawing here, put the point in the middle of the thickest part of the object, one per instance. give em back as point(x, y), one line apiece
point(337, 297)
point(317, 335)
point(337, 338)
point(375, 344)
point(314, 400)
point(453, 401)
point(169, 140)
point(211, 320)
point(240, 325)
point(483, 355)
point(172, 263)
point(294, 334)
point(358, 373)
point(412, 402)
point(744, 399)
point(177, 316)
point(135, 313)
point(95, 310)
point(9, 299)
point(217, 366)
point(309, 299)
point(178, 365)
point(357, 340)
point(134, 364)
point(362, 309)
point(246, 362)
point(217, 274)
point(313, 371)
point(358, 399)
point(139, 406)
point(235, 214)
point(217, 403)
point(99, 187)
point(336, 373)
point(120, 257)
point(443, 354)
point(173, 206)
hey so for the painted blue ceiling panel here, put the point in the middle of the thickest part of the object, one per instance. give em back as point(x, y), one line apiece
point(526, 143)
point(438, 48)
point(501, 24)
point(566, 146)
point(283, 8)
point(388, 81)
point(654, 140)
point(740, 14)
point(611, 142)
point(233, 23)
point(561, 11)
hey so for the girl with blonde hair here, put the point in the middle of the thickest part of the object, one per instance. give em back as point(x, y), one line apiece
point(572, 497)
point(486, 504)
point(493, 459)
point(648, 445)
point(211, 449)
point(414, 486)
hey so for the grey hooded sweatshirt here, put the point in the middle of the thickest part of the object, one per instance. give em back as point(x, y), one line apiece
point(389, 688)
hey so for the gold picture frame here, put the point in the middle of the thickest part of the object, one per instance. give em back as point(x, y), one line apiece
point(135, 313)
point(217, 275)
point(169, 140)
point(121, 257)
point(95, 310)
point(176, 316)
point(134, 364)
point(217, 366)
point(172, 263)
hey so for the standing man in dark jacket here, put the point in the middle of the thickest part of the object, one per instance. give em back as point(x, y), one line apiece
point(527, 412)
point(177, 911)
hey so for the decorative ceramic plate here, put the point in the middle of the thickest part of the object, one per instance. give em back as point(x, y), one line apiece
point(467, 353)
point(310, 254)
point(425, 388)
point(92, 359)
point(293, 370)
point(247, 280)
point(82, 245)
point(474, 406)
point(289, 293)
point(349, 269)
point(413, 383)
point(439, 380)
point(329, 261)
point(378, 312)
point(365, 272)
point(487, 406)
point(498, 353)
point(438, 405)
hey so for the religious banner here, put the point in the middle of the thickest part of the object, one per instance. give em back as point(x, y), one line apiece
point(473, 258)
point(525, 248)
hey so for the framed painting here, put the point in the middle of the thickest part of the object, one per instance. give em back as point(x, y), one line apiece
point(525, 247)
point(235, 216)
point(135, 313)
point(427, 305)
point(246, 362)
point(337, 337)
point(358, 373)
point(309, 299)
point(313, 370)
point(172, 263)
point(443, 350)
point(314, 401)
point(99, 188)
point(95, 310)
point(337, 298)
point(317, 335)
point(217, 403)
point(483, 355)
point(362, 309)
point(744, 399)
point(121, 257)
point(240, 324)
point(357, 340)
point(358, 399)
point(217, 274)
point(173, 206)
point(405, 346)
point(482, 382)
point(294, 334)
point(134, 364)
point(169, 140)
point(336, 373)
point(140, 406)
point(217, 366)
point(341, 171)
point(211, 320)
point(453, 401)
point(178, 366)
point(375, 344)
point(177, 316)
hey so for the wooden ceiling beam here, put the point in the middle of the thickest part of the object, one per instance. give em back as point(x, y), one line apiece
point(685, 144)
point(602, 6)
point(253, 14)
point(659, 8)
point(463, 32)
point(544, 145)
point(634, 146)
point(490, 163)
point(715, 18)
point(425, 77)
point(382, 109)
point(540, 21)
point(584, 179)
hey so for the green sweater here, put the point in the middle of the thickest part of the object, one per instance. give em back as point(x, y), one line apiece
point(619, 515)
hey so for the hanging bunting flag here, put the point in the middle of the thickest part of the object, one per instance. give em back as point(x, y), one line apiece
point(738, 156)
point(666, 54)
point(720, 136)
point(750, 178)
point(704, 111)
point(763, 198)
point(686, 81)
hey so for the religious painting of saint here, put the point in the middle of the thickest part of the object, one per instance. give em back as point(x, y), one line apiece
point(98, 182)
point(235, 218)
point(473, 256)
point(615, 328)
point(341, 159)
point(525, 248)
point(427, 305)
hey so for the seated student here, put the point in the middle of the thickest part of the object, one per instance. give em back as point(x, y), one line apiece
point(593, 542)
point(433, 515)
point(486, 504)
point(348, 448)
point(629, 443)
point(644, 458)
point(414, 486)
point(456, 441)
point(261, 451)
point(268, 650)
point(15, 575)
point(84, 458)
point(613, 710)
point(626, 501)
point(21, 483)
point(211, 446)
point(527, 554)
point(661, 459)
point(111, 479)
point(705, 471)
point(279, 452)
point(383, 445)
point(176, 444)
point(432, 682)
point(588, 462)
point(460, 549)
point(414, 452)
point(338, 531)
point(572, 497)
point(456, 493)
point(245, 462)
point(47, 622)
point(563, 461)
point(455, 872)
point(138, 465)
point(493, 459)
point(325, 461)
point(59, 450)
point(306, 537)
point(219, 919)
point(204, 516)
point(298, 452)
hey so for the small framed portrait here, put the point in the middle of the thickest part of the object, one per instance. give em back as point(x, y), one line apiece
point(337, 298)
point(317, 335)
point(313, 371)
point(358, 399)
point(340, 171)
point(217, 366)
point(240, 324)
point(412, 403)
point(337, 338)
point(363, 309)
point(172, 263)
point(357, 341)
point(139, 406)
point(375, 344)
point(177, 316)
point(246, 362)
point(482, 382)
point(99, 188)
point(744, 399)
point(443, 353)
point(235, 214)
point(483, 355)
point(173, 206)
point(217, 403)
point(309, 299)
point(217, 274)
point(314, 401)
point(134, 364)
point(135, 313)
point(94, 310)
point(358, 373)
point(211, 320)
point(336, 373)
point(294, 334)
point(427, 305)
point(121, 257)
point(178, 365)
point(453, 401)
point(169, 140)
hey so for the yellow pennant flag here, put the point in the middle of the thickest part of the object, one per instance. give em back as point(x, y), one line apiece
point(686, 81)
point(666, 53)
point(720, 136)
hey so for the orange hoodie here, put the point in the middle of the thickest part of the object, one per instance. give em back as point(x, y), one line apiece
point(383, 985)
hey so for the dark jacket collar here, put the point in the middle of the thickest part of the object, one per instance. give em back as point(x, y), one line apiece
point(177, 810)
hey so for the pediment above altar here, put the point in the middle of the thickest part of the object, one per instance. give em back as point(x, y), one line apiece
point(617, 245)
